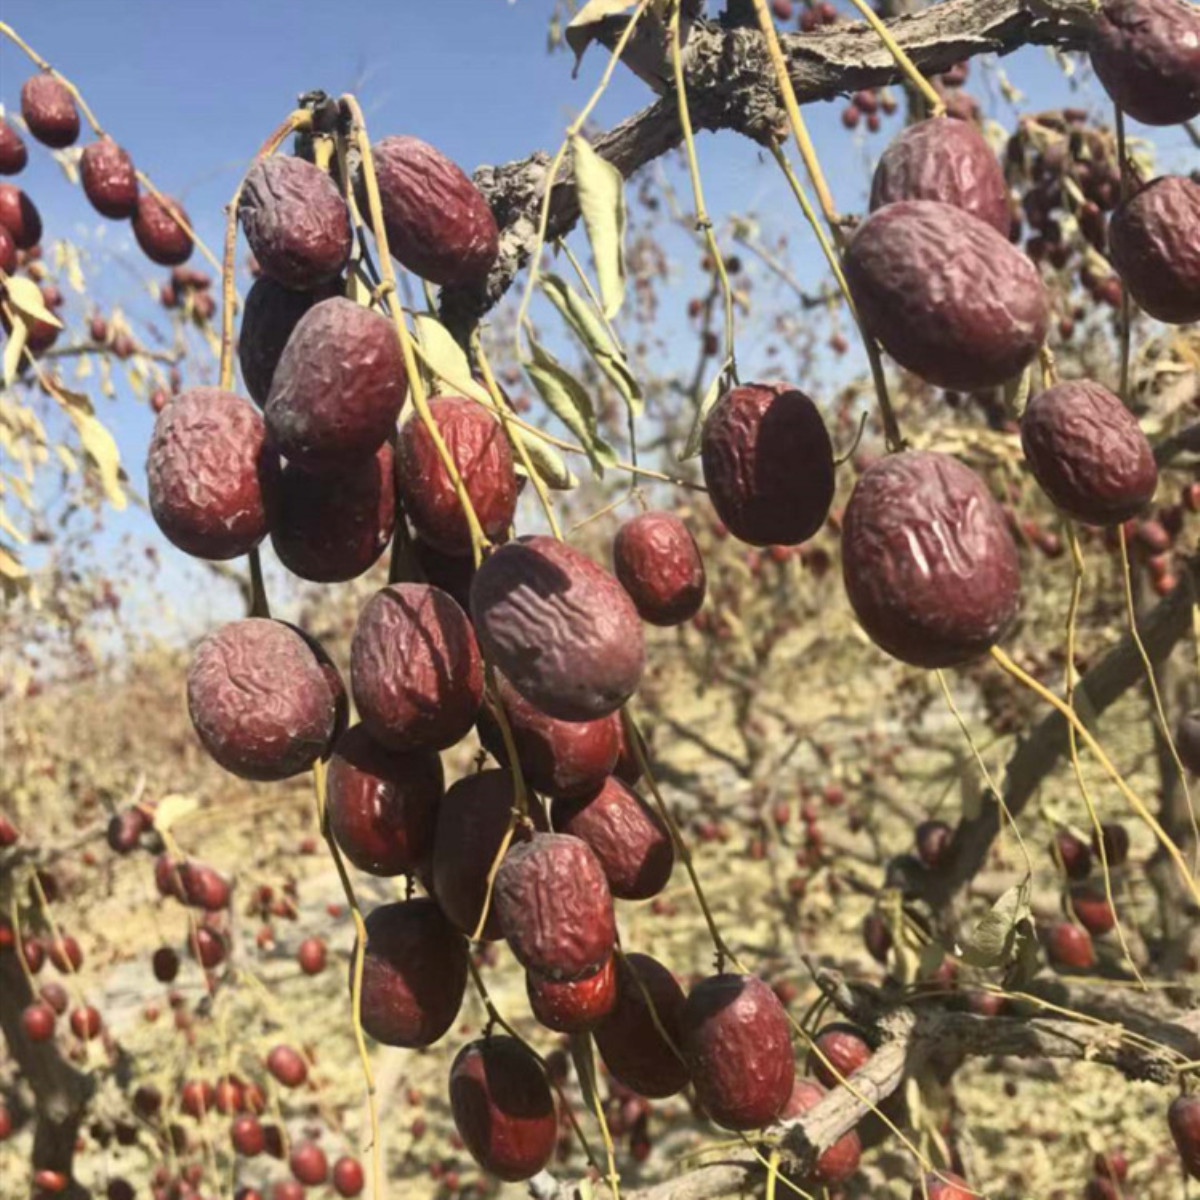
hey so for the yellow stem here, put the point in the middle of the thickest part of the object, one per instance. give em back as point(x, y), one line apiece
point(937, 106)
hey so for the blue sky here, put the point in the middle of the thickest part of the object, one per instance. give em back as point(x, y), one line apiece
point(191, 89)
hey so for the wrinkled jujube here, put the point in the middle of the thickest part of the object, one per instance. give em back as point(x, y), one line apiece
point(658, 563)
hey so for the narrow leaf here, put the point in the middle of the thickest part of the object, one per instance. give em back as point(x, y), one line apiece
point(567, 398)
point(991, 942)
point(13, 349)
point(578, 313)
point(551, 469)
point(602, 202)
point(449, 361)
point(97, 442)
point(26, 297)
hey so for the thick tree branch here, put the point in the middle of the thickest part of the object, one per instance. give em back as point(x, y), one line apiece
point(730, 86)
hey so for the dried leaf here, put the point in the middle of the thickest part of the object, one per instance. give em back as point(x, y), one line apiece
point(172, 809)
point(13, 350)
point(601, 190)
point(992, 941)
point(26, 297)
point(578, 313)
point(567, 398)
point(692, 446)
point(582, 29)
point(97, 442)
point(448, 358)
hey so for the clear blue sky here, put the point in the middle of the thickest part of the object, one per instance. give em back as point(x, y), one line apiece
point(192, 87)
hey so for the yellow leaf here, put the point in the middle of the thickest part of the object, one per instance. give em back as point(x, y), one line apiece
point(13, 349)
point(601, 190)
point(67, 459)
point(26, 297)
point(173, 808)
point(97, 442)
point(9, 528)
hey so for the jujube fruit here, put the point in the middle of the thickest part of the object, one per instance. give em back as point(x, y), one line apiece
point(835, 1164)
point(383, 804)
point(415, 668)
point(49, 110)
point(843, 1050)
point(736, 1043)
point(311, 956)
point(1092, 910)
point(554, 906)
point(338, 386)
point(13, 153)
point(348, 1178)
point(943, 1185)
point(1074, 854)
point(453, 573)
point(659, 564)
point(479, 449)
point(414, 973)
point(948, 297)
point(37, 1021)
point(929, 563)
point(109, 179)
point(308, 1163)
point(332, 526)
point(573, 1005)
point(208, 946)
point(945, 160)
point(65, 953)
point(557, 758)
point(628, 838)
point(261, 700)
point(1146, 53)
point(563, 630)
point(438, 223)
point(1088, 453)
point(158, 231)
point(1115, 839)
point(271, 313)
point(86, 1023)
point(472, 819)
point(19, 216)
point(933, 841)
point(192, 883)
point(1183, 1119)
point(287, 1066)
point(1154, 242)
point(1070, 946)
point(246, 1135)
point(296, 222)
point(206, 468)
point(503, 1108)
point(768, 464)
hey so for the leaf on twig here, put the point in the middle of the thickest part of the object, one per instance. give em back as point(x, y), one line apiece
point(567, 398)
point(591, 332)
point(97, 442)
point(992, 943)
point(26, 297)
point(551, 469)
point(601, 190)
point(448, 359)
point(720, 381)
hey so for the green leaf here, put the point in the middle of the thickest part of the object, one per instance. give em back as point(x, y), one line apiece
point(692, 446)
point(448, 359)
point(590, 330)
point(992, 942)
point(551, 469)
point(601, 190)
point(567, 398)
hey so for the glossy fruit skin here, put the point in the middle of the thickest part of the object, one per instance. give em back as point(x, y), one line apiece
point(65, 954)
point(296, 222)
point(332, 526)
point(1187, 741)
point(165, 964)
point(261, 700)
point(49, 110)
point(627, 837)
point(348, 1179)
point(1146, 53)
point(13, 152)
point(480, 450)
point(86, 1023)
point(562, 629)
point(383, 804)
point(471, 822)
point(1154, 241)
point(1088, 453)
point(845, 1048)
point(1092, 909)
point(576, 1005)
point(206, 467)
point(37, 1022)
point(948, 297)
point(836, 1163)
point(308, 1163)
point(247, 1137)
point(658, 563)
point(944, 1185)
point(272, 312)
point(945, 160)
point(1183, 1119)
point(1070, 946)
point(19, 216)
point(338, 387)
point(554, 906)
point(768, 464)
point(414, 973)
point(162, 239)
point(192, 883)
point(311, 956)
point(558, 758)
point(287, 1066)
point(735, 1040)
point(929, 564)
point(415, 668)
point(208, 947)
point(109, 179)
point(503, 1108)
point(438, 223)
point(1076, 857)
